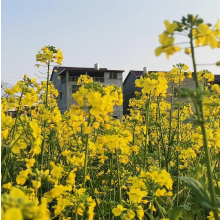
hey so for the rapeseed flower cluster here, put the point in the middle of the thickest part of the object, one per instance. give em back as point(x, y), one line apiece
point(52, 183)
point(85, 164)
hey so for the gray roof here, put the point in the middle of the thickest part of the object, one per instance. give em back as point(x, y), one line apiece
point(138, 73)
point(62, 69)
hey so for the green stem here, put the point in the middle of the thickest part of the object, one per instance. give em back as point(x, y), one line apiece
point(6, 170)
point(42, 147)
point(118, 175)
point(86, 156)
point(75, 216)
point(146, 136)
point(162, 135)
point(13, 134)
point(45, 123)
point(17, 114)
point(187, 197)
point(170, 128)
point(158, 140)
point(99, 209)
point(178, 141)
point(171, 111)
point(205, 141)
point(48, 75)
point(134, 156)
point(111, 179)
point(159, 208)
point(9, 152)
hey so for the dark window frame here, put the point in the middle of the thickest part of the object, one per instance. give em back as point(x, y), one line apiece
point(113, 75)
point(76, 88)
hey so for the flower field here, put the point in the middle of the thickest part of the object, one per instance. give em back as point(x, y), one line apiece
point(161, 162)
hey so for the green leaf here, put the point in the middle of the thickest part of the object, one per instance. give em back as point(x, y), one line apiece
point(186, 207)
point(212, 104)
point(186, 121)
point(175, 212)
point(185, 215)
point(125, 179)
point(161, 201)
point(99, 180)
point(179, 104)
point(202, 195)
point(196, 210)
point(217, 190)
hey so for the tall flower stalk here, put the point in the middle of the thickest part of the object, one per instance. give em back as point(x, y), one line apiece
point(147, 115)
point(86, 156)
point(198, 31)
point(202, 124)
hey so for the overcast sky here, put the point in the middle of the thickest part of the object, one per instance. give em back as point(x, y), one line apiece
point(117, 34)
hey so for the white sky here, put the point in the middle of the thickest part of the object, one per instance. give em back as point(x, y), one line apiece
point(117, 34)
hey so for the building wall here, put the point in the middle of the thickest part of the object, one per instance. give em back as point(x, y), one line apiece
point(118, 110)
point(187, 83)
point(128, 91)
point(62, 103)
point(68, 100)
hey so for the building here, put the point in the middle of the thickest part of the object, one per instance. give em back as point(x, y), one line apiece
point(25, 110)
point(216, 80)
point(66, 83)
point(129, 86)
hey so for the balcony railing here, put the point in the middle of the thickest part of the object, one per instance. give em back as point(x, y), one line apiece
point(98, 79)
point(95, 79)
point(73, 78)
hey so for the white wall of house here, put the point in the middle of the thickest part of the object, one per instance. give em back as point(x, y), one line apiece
point(67, 99)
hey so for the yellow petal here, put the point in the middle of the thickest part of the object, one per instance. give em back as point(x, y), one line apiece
point(16, 149)
point(185, 67)
point(116, 211)
point(176, 48)
point(197, 42)
point(121, 208)
point(81, 191)
point(158, 51)
point(172, 27)
point(53, 193)
point(203, 28)
point(213, 42)
point(22, 177)
point(13, 213)
point(167, 24)
point(217, 25)
point(15, 192)
point(164, 39)
point(36, 184)
point(188, 51)
point(2, 214)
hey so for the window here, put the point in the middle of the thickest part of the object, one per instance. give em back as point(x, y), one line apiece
point(12, 114)
point(73, 78)
point(61, 95)
point(113, 75)
point(74, 88)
